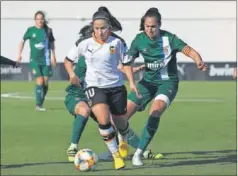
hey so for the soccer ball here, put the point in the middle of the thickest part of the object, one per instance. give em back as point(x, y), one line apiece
point(85, 160)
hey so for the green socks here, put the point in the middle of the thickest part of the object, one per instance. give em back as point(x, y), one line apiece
point(45, 90)
point(78, 127)
point(148, 132)
point(133, 139)
point(39, 94)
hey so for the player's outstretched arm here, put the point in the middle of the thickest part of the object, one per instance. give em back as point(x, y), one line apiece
point(20, 48)
point(192, 53)
point(139, 68)
point(134, 69)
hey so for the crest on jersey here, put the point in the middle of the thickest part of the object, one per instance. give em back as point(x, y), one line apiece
point(33, 35)
point(144, 50)
point(112, 49)
point(166, 50)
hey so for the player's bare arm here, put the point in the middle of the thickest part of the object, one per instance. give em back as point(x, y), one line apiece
point(129, 74)
point(20, 48)
point(139, 68)
point(69, 68)
point(53, 56)
point(134, 69)
point(192, 53)
point(235, 73)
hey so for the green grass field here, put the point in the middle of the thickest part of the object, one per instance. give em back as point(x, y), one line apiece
point(197, 133)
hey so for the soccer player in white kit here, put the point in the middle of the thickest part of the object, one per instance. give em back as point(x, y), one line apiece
point(104, 82)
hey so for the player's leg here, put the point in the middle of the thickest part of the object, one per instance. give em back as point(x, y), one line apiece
point(78, 107)
point(36, 71)
point(133, 138)
point(98, 102)
point(47, 73)
point(118, 105)
point(133, 104)
point(163, 97)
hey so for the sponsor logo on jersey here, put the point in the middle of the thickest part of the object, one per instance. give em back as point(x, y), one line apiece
point(112, 49)
point(220, 71)
point(40, 46)
point(156, 65)
point(33, 35)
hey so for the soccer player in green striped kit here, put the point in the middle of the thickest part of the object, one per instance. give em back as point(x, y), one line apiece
point(42, 55)
point(160, 82)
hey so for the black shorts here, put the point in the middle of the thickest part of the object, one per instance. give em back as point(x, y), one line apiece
point(115, 98)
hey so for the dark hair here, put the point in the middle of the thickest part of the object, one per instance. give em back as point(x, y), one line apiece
point(101, 15)
point(104, 13)
point(45, 26)
point(84, 33)
point(152, 12)
point(116, 25)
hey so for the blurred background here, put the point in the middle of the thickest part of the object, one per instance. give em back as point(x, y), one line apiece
point(209, 27)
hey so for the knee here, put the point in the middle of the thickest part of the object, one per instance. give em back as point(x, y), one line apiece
point(39, 80)
point(82, 110)
point(157, 111)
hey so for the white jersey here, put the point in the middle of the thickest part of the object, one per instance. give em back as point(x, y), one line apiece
point(102, 61)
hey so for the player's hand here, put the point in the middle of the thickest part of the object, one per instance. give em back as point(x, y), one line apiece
point(142, 67)
point(75, 80)
point(202, 66)
point(134, 89)
point(53, 61)
point(18, 61)
point(17, 64)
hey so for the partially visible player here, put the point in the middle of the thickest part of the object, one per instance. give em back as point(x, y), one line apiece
point(160, 82)
point(42, 55)
point(235, 73)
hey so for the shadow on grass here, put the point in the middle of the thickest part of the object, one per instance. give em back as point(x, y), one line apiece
point(221, 157)
point(10, 166)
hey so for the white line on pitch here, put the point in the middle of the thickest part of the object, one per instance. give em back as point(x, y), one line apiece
point(14, 95)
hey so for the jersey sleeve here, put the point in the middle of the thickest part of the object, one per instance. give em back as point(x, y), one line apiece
point(75, 52)
point(27, 34)
point(123, 53)
point(133, 52)
point(180, 46)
